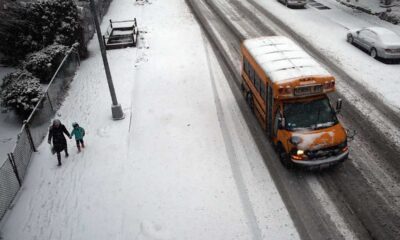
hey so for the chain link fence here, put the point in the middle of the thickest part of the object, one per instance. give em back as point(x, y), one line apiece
point(34, 130)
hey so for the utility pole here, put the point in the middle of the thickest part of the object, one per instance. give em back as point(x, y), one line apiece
point(116, 109)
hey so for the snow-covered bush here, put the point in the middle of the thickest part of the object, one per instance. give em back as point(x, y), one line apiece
point(35, 25)
point(21, 92)
point(44, 63)
point(390, 17)
point(14, 30)
point(56, 21)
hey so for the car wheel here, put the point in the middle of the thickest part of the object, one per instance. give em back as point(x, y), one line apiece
point(350, 39)
point(373, 53)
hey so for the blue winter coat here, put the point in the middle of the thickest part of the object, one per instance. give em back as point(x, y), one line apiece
point(78, 132)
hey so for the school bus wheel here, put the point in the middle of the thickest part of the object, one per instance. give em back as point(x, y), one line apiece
point(284, 157)
point(243, 89)
point(249, 99)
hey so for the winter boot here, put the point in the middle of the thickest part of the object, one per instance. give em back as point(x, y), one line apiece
point(66, 153)
point(59, 159)
point(83, 145)
point(79, 148)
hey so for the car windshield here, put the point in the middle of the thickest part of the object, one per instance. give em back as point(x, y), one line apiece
point(314, 114)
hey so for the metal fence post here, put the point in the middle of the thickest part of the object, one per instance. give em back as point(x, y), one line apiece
point(48, 97)
point(75, 47)
point(28, 132)
point(14, 166)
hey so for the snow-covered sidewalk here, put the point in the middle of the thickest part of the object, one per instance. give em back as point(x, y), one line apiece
point(181, 165)
point(326, 30)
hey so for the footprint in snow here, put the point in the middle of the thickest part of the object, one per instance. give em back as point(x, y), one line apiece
point(152, 231)
point(103, 132)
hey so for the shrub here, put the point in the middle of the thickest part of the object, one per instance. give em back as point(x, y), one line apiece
point(390, 17)
point(14, 31)
point(44, 63)
point(21, 92)
point(30, 28)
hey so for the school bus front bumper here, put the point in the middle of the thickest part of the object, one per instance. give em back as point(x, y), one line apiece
point(322, 161)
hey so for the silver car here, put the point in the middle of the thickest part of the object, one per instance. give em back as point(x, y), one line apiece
point(379, 42)
point(294, 3)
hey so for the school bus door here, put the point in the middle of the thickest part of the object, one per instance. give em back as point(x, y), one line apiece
point(269, 102)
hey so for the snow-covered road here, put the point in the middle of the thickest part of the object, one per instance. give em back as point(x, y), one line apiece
point(181, 165)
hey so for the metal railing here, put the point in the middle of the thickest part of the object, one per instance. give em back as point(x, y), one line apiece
point(34, 130)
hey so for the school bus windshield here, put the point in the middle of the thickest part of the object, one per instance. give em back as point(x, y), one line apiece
point(314, 114)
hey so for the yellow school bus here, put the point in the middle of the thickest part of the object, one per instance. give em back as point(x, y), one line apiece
point(288, 92)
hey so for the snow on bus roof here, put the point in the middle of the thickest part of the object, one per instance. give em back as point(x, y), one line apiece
point(281, 59)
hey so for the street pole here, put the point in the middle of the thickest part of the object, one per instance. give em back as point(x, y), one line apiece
point(116, 109)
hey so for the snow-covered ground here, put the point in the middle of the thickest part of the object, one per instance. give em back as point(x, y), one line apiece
point(327, 29)
point(181, 165)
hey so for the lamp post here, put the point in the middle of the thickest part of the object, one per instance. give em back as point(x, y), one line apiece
point(116, 109)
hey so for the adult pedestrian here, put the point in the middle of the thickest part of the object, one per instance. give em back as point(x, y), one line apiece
point(56, 132)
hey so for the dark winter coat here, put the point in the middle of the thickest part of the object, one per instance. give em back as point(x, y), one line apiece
point(57, 134)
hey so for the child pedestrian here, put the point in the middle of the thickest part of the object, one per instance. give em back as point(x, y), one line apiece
point(79, 133)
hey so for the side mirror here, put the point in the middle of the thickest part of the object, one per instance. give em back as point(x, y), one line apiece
point(351, 133)
point(281, 123)
point(338, 105)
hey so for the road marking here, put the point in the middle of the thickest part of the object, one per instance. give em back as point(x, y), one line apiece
point(331, 209)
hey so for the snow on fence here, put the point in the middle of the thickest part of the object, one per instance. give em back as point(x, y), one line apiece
point(34, 129)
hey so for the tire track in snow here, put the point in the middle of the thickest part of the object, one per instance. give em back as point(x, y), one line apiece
point(237, 175)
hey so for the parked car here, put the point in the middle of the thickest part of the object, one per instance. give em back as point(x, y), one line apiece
point(294, 3)
point(379, 42)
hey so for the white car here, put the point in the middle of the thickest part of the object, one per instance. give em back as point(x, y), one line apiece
point(379, 42)
point(294, 3)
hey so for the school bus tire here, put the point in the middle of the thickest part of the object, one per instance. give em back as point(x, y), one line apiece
point(249, 99)
point(284, 157)
point(242, 88)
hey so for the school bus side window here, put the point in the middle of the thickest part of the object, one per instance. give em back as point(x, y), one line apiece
point(251, 73)
point(257, 82)
point(263, 91)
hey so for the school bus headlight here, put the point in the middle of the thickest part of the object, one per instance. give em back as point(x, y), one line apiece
point(297, 157)
point(300, 152)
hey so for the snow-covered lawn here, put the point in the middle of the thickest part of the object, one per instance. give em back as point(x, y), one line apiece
point(327, 29)
point(181, 165)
